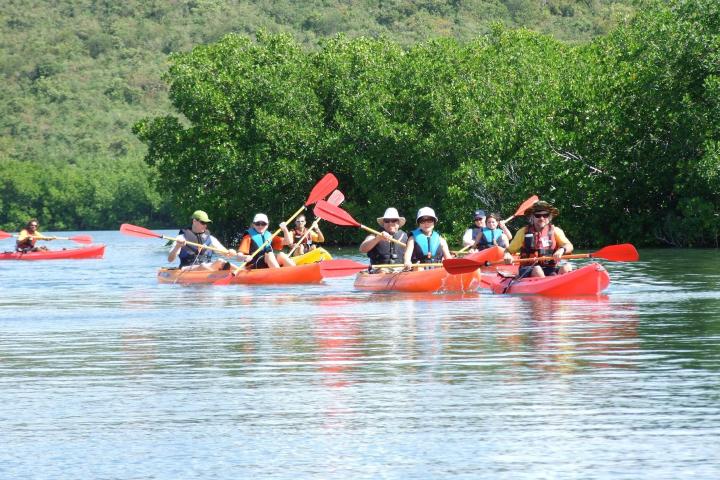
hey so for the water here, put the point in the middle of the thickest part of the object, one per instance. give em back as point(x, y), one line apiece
point(105, 374)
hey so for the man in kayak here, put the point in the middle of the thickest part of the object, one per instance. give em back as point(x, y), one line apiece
point(540, 239)
point(309, 239)
point(424, 244)
point(28, 236)
point(257, 239)
point(379, 248)
point(196, 258)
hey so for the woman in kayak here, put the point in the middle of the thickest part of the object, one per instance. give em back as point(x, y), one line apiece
point(257, 239)
point(424, 244)
point(494, 233)
point(309, 239)
point(28, 236)
point(472, 232)
point(541, 239)
point(379, 248)
point(196, 258)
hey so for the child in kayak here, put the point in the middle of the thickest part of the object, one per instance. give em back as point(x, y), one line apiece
point(494, 233)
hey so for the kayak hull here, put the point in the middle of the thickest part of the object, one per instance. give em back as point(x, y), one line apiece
point(588, 280)
point(266, 276)
point(313, 256)
point(92, 251)
point(434, 280)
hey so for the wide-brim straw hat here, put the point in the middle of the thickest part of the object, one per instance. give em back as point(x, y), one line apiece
point(542, 206)
point(391, 214)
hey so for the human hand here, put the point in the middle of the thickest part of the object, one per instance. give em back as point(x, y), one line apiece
point(508, 258)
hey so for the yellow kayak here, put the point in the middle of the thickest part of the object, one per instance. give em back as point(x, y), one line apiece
point(313, 256)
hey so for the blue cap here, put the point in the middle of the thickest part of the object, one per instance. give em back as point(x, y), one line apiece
point(479, 213)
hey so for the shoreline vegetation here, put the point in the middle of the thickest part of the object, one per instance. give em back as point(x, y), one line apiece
point(619, 127)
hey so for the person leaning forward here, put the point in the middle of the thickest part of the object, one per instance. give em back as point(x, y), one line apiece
point(196, 258)
point(379, 248)
point(540, 238)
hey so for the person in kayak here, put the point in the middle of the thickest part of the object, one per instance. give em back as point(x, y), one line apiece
point(256, 236)
point(196, 258)
point(379, 248)
point(472, 232)
point(494, 233)
point(309, 240)
point(540, 238)
point(28, 236)
point(424, 244)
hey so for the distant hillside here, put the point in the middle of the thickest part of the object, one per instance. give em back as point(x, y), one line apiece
point(77, 74)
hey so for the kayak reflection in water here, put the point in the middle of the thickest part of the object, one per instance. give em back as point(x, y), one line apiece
point(541, 239)
point(379, 248)
point(28, 236)
point(424, 244)
point(196, 258)
point(257, 239)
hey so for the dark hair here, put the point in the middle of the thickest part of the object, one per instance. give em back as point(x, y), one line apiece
point(32, 220)
point(496, 216)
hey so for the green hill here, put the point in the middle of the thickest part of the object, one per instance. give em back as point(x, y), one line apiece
point(77, 74)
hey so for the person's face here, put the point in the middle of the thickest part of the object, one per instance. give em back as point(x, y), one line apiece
point(541, 219)
point(492, 223)
point(426, 224)
point(391, 225)
point(260, 227)
point(300, 223)
point(199, 226)
point(32, 227)
point(479, 221)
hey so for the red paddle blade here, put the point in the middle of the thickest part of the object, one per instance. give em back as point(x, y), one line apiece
point(135, 231)
point(321, 189)
point(525, 205)
point(334, 214)
point(336, 198)
point(86, 239)
point(340, 268)
point(473, 261)
point(4, 235)
point(624, 252)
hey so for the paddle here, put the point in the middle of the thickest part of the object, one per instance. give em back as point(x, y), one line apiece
point(321, 190)
point(86, 239)
point(135, 231)
point(520, 210)
point(472, 262)
point(342, 267)
point(338, 216)
point(335, 198)
point(615, 253)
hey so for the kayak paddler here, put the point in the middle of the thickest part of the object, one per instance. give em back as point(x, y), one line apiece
point(256, 236)
point(196, 258)
point(424, 244)
point(309, 239)
point(538, 239)
point(28, 236)
point(379, 249)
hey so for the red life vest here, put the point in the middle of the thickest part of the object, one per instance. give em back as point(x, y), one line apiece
point(542, 245)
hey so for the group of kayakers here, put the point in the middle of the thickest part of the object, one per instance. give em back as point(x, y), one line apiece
point(391, 246)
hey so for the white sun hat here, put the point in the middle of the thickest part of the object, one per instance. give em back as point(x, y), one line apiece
point(426, 212)
point(391, 214)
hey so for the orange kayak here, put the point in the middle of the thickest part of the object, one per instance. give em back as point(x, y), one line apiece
point(434, 280)
point(93, 251)
point(588, 280)
point(298, 274)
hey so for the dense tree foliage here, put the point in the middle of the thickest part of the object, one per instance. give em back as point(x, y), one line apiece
point(621, 133)
point(77, 74)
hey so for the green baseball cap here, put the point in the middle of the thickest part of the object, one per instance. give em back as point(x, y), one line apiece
point(201, 216)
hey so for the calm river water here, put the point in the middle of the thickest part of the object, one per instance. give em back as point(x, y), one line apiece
point(104, 374)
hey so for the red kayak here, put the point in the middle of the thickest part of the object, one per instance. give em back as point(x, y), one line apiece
point(265, 276)
point(93, 251)
point(588, 280)
point(437, 279)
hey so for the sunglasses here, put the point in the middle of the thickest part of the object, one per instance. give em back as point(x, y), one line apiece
point(33, 225)
point(391, 220)
point(479, 218)
point(426, 219)
point(541, 215)
point(260, 224)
